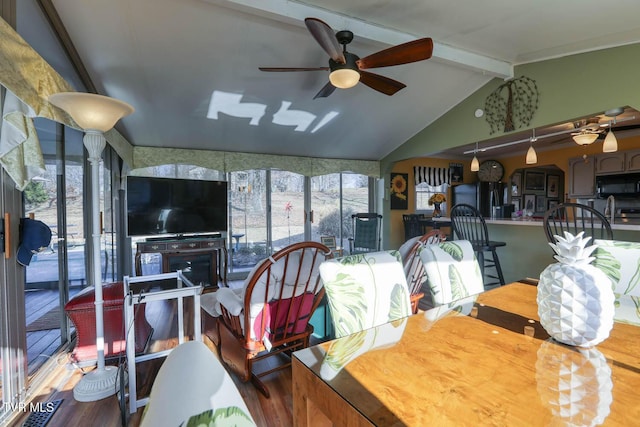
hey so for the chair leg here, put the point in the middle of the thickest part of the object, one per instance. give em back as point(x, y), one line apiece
point(496, 262)
point(259, 385)
point(480, 257)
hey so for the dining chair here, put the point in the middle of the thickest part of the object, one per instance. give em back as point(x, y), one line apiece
point(365, 290)
point(574, 218)
point(367, 228)
point(412, 226)
point(192, 387)
point(269, 315)
point(452, 271)
point(414, 267)
point(620, 261)
point(468, 224)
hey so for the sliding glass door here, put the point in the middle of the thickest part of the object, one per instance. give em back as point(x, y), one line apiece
point(57, 199)
point(287, 208)
point(248, 225)
point(334, 198)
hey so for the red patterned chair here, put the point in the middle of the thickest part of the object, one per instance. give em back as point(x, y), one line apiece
point(81, 310)
point(270, 314)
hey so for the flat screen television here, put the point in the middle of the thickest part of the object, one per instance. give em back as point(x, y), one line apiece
point(175, 206)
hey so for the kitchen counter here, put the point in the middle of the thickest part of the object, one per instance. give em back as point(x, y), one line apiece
point(633, 225)
point(527, 252)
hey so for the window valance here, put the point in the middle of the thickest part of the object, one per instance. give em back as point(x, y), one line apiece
point(232, 161)
point(431, 175)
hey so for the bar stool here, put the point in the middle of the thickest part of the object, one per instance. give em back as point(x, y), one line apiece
point(468, 224)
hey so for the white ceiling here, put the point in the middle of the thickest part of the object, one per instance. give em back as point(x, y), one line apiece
point(167, 57)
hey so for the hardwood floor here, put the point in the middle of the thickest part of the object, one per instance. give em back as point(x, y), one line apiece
point(275, 411)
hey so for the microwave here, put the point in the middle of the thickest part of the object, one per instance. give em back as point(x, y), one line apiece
point(625, 185)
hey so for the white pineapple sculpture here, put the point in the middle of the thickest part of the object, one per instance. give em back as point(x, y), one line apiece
point(575, 299)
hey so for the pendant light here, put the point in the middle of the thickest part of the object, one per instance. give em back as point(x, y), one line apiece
point(532, 156)
point(475, 164)
point(610, 144)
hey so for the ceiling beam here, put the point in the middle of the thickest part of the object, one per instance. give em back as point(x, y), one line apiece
point(294, 13)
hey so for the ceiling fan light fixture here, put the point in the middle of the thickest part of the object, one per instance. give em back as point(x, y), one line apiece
point(585, 138)
point(344, 78)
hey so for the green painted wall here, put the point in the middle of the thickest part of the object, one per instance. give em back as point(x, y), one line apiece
point(569, 88)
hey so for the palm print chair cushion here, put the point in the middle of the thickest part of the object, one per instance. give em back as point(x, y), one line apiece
point(620, 261)
point(193, 385)
point(452, 270)
point(365, 290)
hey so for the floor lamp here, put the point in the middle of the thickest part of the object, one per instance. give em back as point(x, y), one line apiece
point(95, 114)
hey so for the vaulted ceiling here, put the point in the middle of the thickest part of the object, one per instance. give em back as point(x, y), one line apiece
point(190, 67)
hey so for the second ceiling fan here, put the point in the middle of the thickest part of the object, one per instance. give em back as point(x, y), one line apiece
point(347, 69)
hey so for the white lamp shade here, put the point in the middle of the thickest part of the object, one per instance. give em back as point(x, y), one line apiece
point(91, 111)
point(532, 156)
point(585, 138)
point(610, 143)
point(475, 164)
point(344, 78)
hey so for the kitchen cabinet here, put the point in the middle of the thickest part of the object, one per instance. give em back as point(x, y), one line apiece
point(611, 162)
point(632, 161)
point(582, 176)
point(618, 162)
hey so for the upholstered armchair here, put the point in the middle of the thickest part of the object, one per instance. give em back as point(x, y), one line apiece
point(365, 290)
point(620, 261)
point(270, 314)
point(413, 267)
point(452, 269)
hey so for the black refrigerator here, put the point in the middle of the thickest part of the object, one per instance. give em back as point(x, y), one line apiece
point(481, 195)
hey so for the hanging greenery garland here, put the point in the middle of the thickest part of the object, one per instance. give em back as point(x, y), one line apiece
point(512, 104)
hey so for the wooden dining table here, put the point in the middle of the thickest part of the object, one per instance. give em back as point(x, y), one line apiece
point(484, 361)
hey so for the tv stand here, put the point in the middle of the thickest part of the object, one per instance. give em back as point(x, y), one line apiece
point(202, 259)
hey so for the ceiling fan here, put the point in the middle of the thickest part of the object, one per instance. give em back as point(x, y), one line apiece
point(347, 69)
point(587, 131)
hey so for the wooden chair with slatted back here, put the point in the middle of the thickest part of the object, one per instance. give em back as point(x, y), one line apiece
point(270, 314)
point(467, 223)
point(574, 218)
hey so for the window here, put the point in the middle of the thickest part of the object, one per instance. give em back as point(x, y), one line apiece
point(424, 192)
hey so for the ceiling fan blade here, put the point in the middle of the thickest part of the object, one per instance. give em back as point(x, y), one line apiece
point(326, 38)
point(279, 69)
point(405, 53)
point(325, 91)
point(381, 83)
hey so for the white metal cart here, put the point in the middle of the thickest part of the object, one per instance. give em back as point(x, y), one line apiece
point(139, 290)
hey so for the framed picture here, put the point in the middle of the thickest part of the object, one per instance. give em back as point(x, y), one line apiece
point(553, 182)
point(534, 182)
point(328, 241)
point(516, 204)
point(456, 172)
point(399, 191)
point(529, 202)
point(516, 184)
point(551, 204)
point(541, 204)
